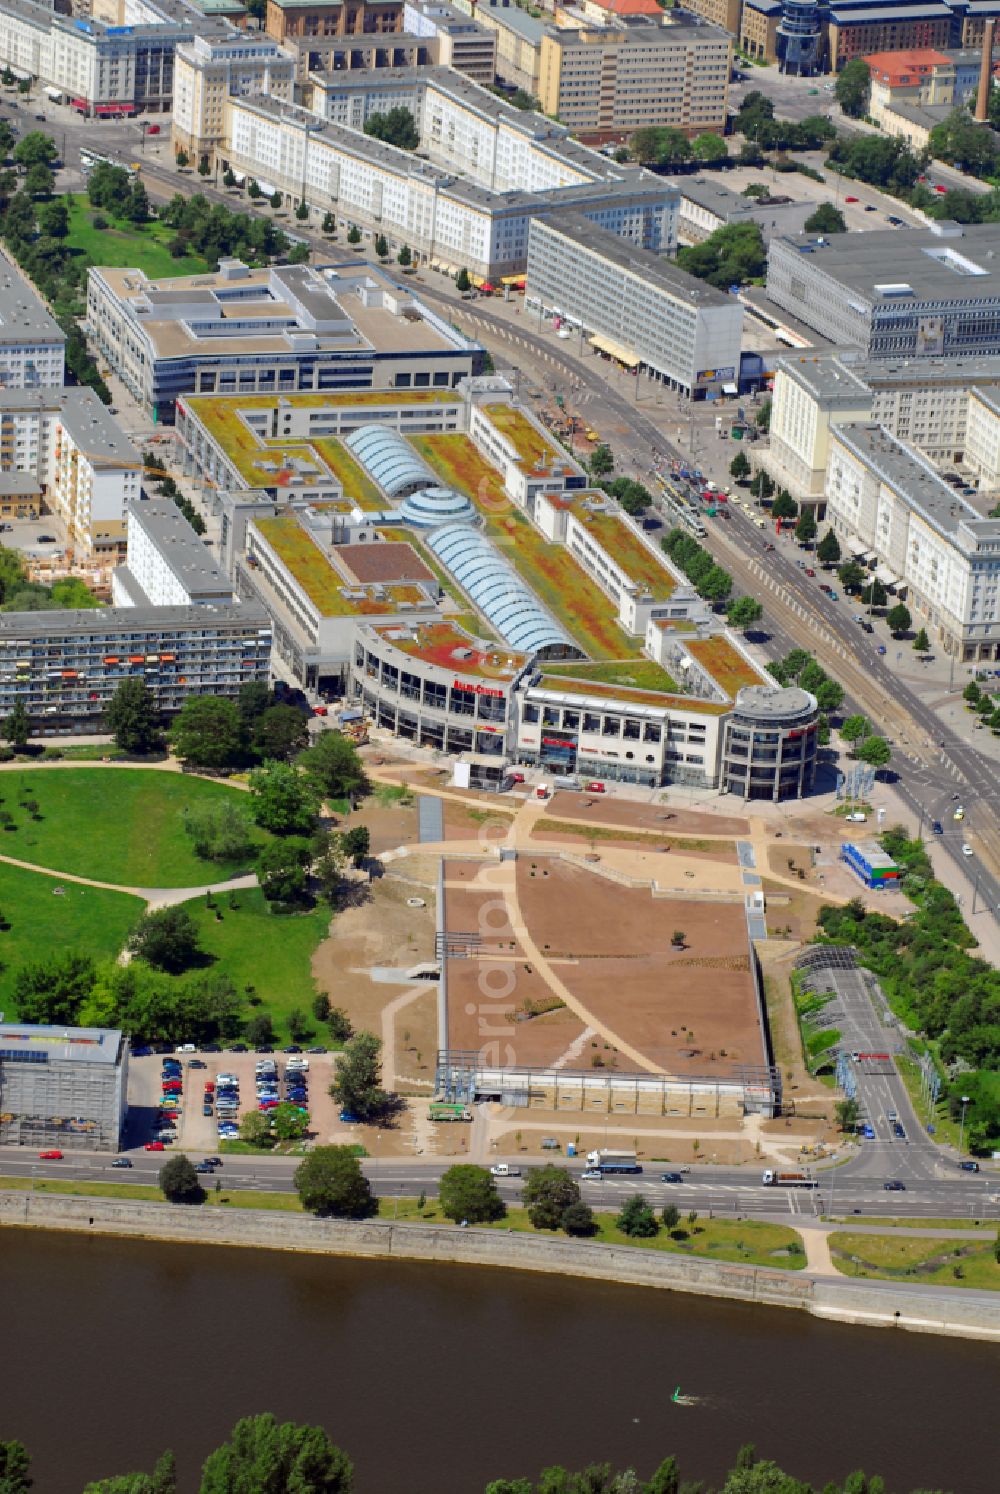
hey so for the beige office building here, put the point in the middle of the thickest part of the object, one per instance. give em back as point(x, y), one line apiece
point(982, 444)
point(604, 82)
point(208, 72)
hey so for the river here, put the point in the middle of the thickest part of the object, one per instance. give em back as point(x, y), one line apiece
point(438, 1378)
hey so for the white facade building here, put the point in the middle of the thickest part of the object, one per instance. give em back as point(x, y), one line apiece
point(982, 443)
point(167, 564)
point(207, 71)
point(32, 344)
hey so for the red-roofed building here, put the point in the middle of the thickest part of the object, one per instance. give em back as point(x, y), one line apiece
point(921, 75)
point(624, 9)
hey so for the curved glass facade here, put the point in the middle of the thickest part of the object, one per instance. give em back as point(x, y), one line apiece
point(499, 593)
point(429, 507)
point(389, 459)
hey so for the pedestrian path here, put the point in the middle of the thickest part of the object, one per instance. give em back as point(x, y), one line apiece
point(155, 897)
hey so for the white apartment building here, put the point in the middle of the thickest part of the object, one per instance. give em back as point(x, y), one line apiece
point(104, 70)
point(167, 565)
point(459, 42)
point(982, 442)
point(444, 213)
point(637, 308)
point(927, 402)
point(32, 344)
point(88, 468)
point(209, 70)
point(885, 500)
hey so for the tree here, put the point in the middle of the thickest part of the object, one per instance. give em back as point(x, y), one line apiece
point(853, 88)
point(828, 550)
point(302, 211)
point(229, 177)
point(136, 205)
point(289, 1122)
point(469, 1193)
point(709, 149)
point(53, 219)
point(762, 486)
point(38, 180)
point(263, 1454)
point(162, 1480)
point(35, 149)
point(255, 1129)
point(847, 1112)
point(671, 1216)
point(132, 717)
point(281, 870)
point(548, 1192)
point(329, 224)
point(339, 1025)
point(182, 158)
point(354, 234)
point(330, 1181)
point(179, 1182)
point(784, 506)
point(253, 186)
point(601, 460)
point(17, 727)
point(805, 529)
point(855, 729)
point(52, 991)
point(829, 695)
point(732, 255)
point(282, 799)
point(276, 199)
point(898, 618)
point(739, 467)
point(208, 733)
point(851, 575)
point(637, 1219)
point(253, 700)
point(333, 766)
point(578, 1219)
point(219, 832)
point(826, 219)
point(357, 843)
point(462, 281)
point(15, 1468)
point(875, 751)
point(922, 644)
point(404, 257)
point(167, 939)
point(259, 1031)
point(396, 127)
point(715, 585)
point(743, 612)
point(357, 1081)
point(678, 938)
point(280, 732)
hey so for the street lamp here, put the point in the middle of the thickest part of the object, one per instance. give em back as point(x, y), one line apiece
point(961, 1130)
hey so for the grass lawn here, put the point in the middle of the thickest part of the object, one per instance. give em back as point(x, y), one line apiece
point(963, 1224)
point(119, 825)
point(271, 953)
point(608, 832)
point(143, 246)
point(86, 920)
point(954, 1263)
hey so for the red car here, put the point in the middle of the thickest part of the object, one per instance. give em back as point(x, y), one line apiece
point(942, 190)
point(152, 129)
point(850, 199)
point(50, 1156)
point(810, 571)
point(320, 711)
point(595, 788)
point(154, 1146)
point(209, 1087)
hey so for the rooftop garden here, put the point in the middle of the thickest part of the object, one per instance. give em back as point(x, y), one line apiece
point(723, 662)
point(636, 674)
point(436, 643)
point(349, 473)
point(327, 590)
point(627, 550)
point(550, 570)
point(586, 685)
point(531, 446)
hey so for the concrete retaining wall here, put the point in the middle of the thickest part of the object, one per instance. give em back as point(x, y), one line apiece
point(973, 1315)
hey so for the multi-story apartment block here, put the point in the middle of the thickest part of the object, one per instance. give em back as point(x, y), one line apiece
point(104, 70)
point(636, 308)
point(285, 19)
point(608, 83)
point(32, 344)
point(518, 40)
point(87, 469)
point(885, 500)
point(722, 13)
point(927, 402)
point(758, 33)
point(471, 203)
point(65, 666)
point(280, 330)
point(207, 71)
point(167, 564)
point(854, 31)
point(982, 442)
point(458, 40)
point(907, 293)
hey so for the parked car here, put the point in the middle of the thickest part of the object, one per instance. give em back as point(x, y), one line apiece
point(850, 199)
point(50, 1156)
point(347, 1119)
point(866, 627)
point(185, 1048)
point(154, 1146)
point(318, 1049)
point(206, 1110)
point(969, 1166)
point(810, 571)
point(857, 818)
point(197, 1063)
point(596, 788)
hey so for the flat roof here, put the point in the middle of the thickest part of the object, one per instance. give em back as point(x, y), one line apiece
point(51, 1044)
point(538, 453)
point(913, 477)
point(389, 560)
point(178, 546)
point(602, 694)
point(723, 663)
point(331, 592)
point(154, 621)
point(12, 482)
point(24, 317)
point(451, 647)
point(879, 15)
point(901, 265)
point(647, 267)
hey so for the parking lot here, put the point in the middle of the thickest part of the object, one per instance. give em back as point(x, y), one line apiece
point(178, 1118)
point(42, 537)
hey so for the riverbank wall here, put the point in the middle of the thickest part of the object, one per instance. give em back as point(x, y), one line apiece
point(873, 1304)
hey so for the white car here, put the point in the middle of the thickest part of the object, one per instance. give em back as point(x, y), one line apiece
point(967, 849)
point(592, 1175)
point(185, 1048)
point(857, 818)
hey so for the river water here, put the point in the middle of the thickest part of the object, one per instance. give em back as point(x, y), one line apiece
point(438, 1378)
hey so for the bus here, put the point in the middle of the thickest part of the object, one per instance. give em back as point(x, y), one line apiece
point(91, 158)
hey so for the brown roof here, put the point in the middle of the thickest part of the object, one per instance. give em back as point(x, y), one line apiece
point(388, 561)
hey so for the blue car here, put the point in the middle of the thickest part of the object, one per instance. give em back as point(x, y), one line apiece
point(347, 1119)
point(868, 1132)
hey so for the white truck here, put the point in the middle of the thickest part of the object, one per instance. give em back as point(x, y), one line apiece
point(606, 1161)
point(772, 1179)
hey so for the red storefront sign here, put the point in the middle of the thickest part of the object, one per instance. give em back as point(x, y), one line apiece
point(477, 689)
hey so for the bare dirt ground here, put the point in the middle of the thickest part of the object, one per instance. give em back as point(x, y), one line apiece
point(791, 914)
point(695, 1140)
point(659, 817)
point(389, 825)
point(547, 831)
point(465, 822)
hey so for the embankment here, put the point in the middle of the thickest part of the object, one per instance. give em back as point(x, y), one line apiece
point(874, 1304)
